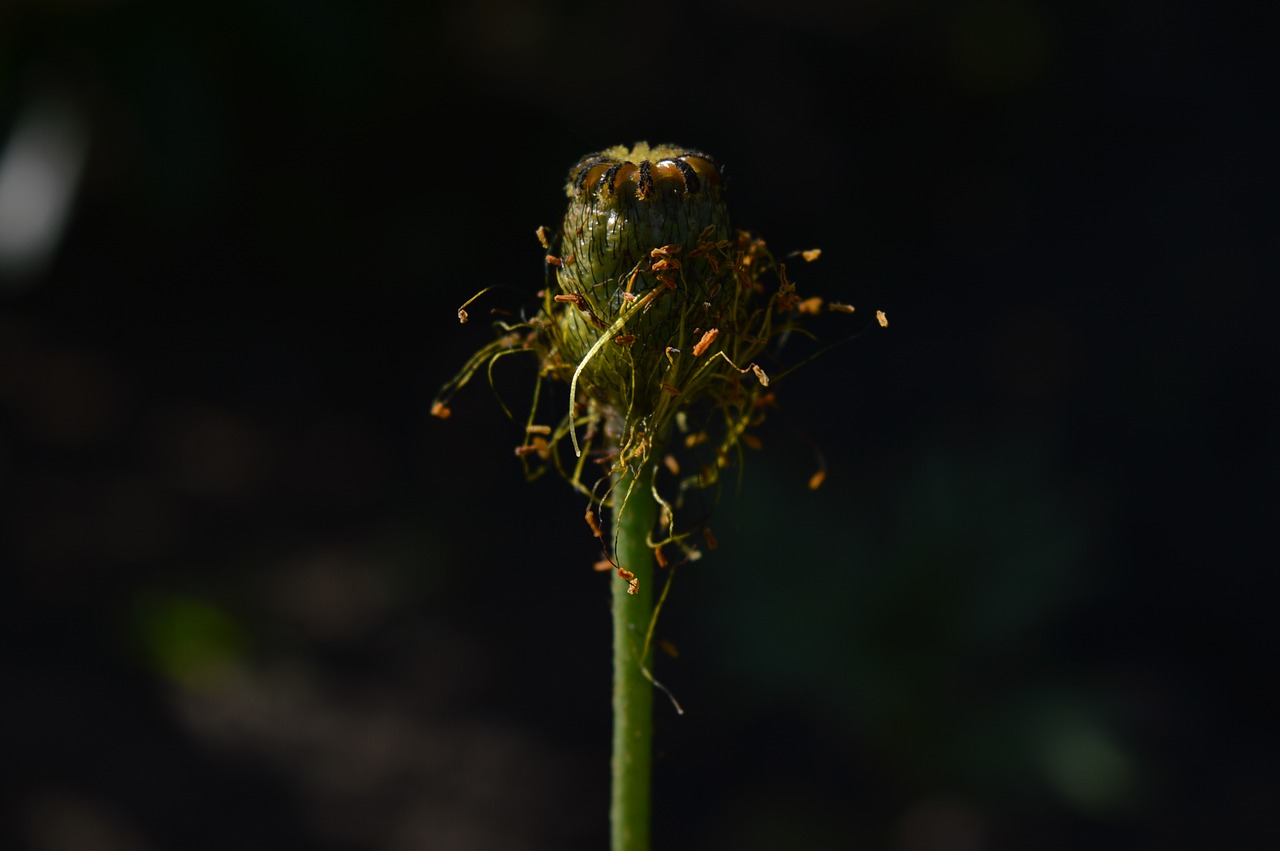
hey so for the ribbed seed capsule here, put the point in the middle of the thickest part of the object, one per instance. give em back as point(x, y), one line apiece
point(627, 245)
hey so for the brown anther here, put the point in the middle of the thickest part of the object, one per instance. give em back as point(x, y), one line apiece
point(816, 480)
point(811, 255)
point(811, 306)
point(709, 537)
point(625, 339)
point(569, 260)
point(569, 298)
point(623, 573)
point(693, 440)
point(760, 374)
point(882, 319)
point(669, 263)
point(706, 341)
point(668, 648)
point(544, 236)
point(672, 464)
point(840, 308)
point(553, 260)
point(628, 297)
point(673, 391)
point(593, 523)
point(441, 410)
point(752, 442)
point(463, 316)
point(602, 565)
point(537, 446)
point(633, 586)
point(660, 557)
point(537, 429)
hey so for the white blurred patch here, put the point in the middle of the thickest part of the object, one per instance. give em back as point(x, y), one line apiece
point(40, 168)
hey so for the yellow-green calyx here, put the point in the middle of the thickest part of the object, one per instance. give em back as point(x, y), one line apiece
point(654, 319)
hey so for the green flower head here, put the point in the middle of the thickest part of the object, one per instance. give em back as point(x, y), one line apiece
point(627, 259)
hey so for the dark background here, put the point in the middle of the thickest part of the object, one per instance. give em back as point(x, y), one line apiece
point(256, 597)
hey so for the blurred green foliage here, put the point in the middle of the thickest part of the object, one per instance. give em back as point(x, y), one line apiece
point(188, 640)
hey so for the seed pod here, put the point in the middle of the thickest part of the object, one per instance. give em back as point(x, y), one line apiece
point(631, 214)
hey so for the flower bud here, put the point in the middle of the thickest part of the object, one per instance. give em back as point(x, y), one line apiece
point(643, 275)
point(657, 313)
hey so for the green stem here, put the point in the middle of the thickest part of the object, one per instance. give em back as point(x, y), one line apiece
point(632, 690)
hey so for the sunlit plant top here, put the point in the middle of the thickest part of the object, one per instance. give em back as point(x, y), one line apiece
point(655, 314)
